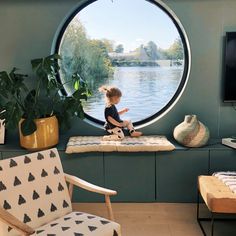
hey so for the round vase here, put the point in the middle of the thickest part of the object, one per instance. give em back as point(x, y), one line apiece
point(191, 132)
point(46, 135)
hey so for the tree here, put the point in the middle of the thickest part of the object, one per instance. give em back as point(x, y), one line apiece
point(85, 56)
point(109, 44)
point(119, 48)
point(163, 54)
point(152, 51)
point(176, 50)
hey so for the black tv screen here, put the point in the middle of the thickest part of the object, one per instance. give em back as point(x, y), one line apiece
point(230, 68)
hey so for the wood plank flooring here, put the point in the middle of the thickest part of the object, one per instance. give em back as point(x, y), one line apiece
point(158, 219)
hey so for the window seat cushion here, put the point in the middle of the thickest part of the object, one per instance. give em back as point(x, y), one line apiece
point(80, 144)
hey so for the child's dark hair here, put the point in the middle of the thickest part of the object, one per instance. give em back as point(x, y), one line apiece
point(110, 91)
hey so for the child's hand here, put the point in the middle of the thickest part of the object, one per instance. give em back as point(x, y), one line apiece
point(125, 110)
point(121, 112)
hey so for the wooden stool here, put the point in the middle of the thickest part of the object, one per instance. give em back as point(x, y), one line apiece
point(218, 197)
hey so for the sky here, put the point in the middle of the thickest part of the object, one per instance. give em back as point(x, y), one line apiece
point(128, 22)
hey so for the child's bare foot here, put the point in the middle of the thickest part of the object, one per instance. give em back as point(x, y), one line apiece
point(136, 134)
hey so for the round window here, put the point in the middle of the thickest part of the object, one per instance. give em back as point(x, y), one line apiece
point(140, 47)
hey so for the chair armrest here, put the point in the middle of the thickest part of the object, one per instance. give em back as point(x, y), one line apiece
point(13, 222)
point(88, 186)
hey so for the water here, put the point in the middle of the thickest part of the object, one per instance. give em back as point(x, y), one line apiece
point(146, 90)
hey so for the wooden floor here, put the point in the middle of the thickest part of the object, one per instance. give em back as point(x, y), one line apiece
point(157, 219)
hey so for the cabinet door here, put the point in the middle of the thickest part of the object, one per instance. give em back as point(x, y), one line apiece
point(87, 166)
point(9, 154)
point(132, 175)
point(222, 160)
point(177, 173)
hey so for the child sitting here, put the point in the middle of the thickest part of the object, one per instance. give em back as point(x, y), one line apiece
point(114, 124)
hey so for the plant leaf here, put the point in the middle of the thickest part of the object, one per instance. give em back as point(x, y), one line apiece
point(28, 127)
point(76, 85)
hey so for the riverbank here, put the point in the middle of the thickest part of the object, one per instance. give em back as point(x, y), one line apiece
point(133, 63)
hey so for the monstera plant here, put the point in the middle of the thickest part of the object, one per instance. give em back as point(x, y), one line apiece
point(24, 104)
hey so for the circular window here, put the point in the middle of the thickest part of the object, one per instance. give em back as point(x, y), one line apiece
point(139, 47)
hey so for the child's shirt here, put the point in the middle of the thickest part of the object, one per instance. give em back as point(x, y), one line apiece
point(111, 111)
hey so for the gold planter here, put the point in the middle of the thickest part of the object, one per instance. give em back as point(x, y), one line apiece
point(46, 135)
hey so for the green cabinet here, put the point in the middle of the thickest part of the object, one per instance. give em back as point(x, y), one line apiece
point(132, 175)
point(9, 154)
point(177, 172)
point(143, 176)
point(222, 160)
point(87, 166)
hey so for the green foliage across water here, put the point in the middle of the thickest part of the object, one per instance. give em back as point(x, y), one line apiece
point(86, 56)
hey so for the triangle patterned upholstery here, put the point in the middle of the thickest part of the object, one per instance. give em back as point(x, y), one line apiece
point(79, 224)
point(33, 189)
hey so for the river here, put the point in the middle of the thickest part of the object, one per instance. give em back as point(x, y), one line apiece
point(145, 91)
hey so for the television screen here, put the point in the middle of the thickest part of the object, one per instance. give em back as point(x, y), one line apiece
point(230, 68)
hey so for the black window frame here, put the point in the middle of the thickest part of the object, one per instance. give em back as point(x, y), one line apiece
point(187, 58)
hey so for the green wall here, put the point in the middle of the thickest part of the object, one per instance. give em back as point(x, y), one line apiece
point(27, 29)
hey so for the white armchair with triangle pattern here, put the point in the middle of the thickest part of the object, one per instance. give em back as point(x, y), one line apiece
point(36, 200)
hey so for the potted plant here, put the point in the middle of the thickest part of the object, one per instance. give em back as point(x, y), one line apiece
point(38, 109)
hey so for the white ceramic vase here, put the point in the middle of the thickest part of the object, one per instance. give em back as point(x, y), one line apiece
point(191, 132)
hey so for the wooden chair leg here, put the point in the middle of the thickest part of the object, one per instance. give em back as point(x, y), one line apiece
point(70, 189)
point(109, 208)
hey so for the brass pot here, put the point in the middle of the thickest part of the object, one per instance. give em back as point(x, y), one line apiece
point(46, 135)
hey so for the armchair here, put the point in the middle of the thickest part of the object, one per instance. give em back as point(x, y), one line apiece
point(35, 200)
